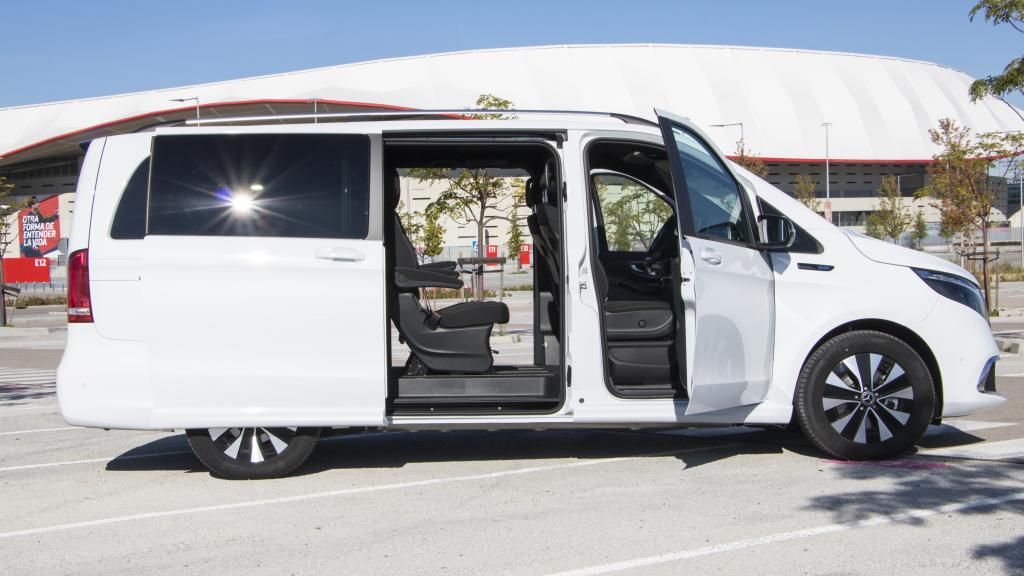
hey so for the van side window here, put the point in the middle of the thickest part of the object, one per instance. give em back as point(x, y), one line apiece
point(715, 201)
point(130, 216)
point(283, 185)
point(631, 215)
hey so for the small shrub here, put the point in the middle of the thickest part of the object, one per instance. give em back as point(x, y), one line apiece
point(449, 293)
point(35, 300)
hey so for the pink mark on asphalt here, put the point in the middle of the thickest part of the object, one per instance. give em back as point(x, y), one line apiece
point(905, 464)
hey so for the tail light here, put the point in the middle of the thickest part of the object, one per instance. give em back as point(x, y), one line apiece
point(79, 301)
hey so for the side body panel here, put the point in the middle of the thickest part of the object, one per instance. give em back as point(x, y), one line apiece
point(115, 266)
point(259, 330)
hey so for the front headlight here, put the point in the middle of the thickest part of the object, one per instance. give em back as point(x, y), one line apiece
point(955, 288)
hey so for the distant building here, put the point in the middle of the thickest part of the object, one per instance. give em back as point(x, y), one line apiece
point(879, 108)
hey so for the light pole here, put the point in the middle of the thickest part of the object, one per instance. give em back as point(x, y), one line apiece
point(3, 248)
point(190, 99)
point(828, 189)
point(743, 140)
point(1020, 213)
point(828, 193)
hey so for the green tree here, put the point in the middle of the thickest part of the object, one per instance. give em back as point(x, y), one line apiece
point(919, 231)
point(8, 209)
point(871, 228)
point(492, 102)
point(804, 192)
point(1011, 80)
point(891, 219)
point(432, 236)
point(515, 237)
point(473, 196)
point(632, 215)
point(746, 158)
point(962, 186)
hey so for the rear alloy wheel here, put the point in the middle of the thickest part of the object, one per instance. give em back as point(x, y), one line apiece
point(864, 395)
point(252, 453)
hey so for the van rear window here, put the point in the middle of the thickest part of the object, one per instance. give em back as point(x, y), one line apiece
point(286, 185)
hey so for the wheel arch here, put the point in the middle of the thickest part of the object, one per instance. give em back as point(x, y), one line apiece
point(897, 331)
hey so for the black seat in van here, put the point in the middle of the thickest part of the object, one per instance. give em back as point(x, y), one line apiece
point(455, 339)
point(639, 337)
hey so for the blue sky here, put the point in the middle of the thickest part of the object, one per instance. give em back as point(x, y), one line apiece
point(58, 50)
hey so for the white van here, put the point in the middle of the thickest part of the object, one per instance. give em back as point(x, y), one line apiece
point(242, 281)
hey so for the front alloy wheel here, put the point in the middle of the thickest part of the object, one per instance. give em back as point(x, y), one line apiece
point(252, 453)
point(864, 395)
point(868, 398)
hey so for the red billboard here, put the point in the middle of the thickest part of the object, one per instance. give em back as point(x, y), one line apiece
point(19, 270)
point(39, 227)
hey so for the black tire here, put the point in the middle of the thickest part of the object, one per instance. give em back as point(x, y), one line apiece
point(849, 422)
point(231, 452)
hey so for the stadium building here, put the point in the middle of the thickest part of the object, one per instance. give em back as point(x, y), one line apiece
point(866, 116)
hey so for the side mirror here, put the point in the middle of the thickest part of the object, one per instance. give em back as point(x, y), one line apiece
point(777, 232)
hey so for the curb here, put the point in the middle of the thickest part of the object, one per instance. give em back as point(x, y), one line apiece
point(15, 333)
point(1010, 345)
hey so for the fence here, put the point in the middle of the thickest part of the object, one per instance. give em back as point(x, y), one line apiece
point(58, 284)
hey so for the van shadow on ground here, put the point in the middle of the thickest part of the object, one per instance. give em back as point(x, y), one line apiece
point(397, 449)
point(17, 394)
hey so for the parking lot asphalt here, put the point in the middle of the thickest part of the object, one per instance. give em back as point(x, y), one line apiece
point(718, 501)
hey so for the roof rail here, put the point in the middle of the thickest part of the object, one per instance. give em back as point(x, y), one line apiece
point(461, 113)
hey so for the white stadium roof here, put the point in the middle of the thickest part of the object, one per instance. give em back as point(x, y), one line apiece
point(880, 107)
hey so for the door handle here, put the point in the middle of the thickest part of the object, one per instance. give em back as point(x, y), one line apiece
point(338, 254)
point(711, 256)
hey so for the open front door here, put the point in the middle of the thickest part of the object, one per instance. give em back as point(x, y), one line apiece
point(728, 285)
point(263, 275)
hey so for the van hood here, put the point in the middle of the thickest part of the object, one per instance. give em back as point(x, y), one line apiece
point(888, 253)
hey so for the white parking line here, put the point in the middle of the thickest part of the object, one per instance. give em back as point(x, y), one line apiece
point(1004, 451)
point(967, 425)
point(27, 376)
point(346, 492)
point(93, 460)
point(4, 409)
point(27, 412)
point(36, 430)
point(786, 536)
point(176, 452)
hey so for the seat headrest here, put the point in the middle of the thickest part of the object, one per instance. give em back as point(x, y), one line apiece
point(548, 188)
point(396, 188)
point(531, 195)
